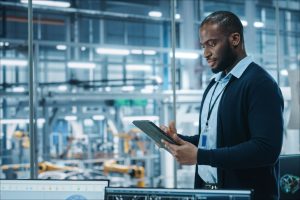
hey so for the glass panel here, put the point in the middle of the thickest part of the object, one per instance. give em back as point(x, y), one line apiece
point(101, 64)
point(14, 99)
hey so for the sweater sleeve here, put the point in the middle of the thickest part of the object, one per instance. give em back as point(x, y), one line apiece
point(265, 123)
point(191, 139)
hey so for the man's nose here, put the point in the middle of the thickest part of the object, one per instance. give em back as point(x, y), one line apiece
point(206, 53)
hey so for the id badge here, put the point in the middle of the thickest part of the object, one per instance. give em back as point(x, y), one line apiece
point(203, 138)
point(203, 141)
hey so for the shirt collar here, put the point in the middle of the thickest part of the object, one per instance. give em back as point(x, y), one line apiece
point(237, 71)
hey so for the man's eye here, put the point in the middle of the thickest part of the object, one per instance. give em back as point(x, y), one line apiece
point(211, 43)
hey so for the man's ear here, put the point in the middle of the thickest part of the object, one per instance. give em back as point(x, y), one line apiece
point(235, 39)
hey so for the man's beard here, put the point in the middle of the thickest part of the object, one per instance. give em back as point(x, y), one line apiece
point(227, 60)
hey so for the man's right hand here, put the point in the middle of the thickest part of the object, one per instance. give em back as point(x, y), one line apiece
point(171, 130)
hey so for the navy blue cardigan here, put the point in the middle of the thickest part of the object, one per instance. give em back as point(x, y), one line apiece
point(249, 135)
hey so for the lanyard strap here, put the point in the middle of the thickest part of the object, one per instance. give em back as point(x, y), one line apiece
point(210, 107)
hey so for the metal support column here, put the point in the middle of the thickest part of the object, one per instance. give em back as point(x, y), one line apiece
point(32, 120)
point(277, 42)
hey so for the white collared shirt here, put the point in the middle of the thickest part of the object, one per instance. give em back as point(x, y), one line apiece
point(208, 139)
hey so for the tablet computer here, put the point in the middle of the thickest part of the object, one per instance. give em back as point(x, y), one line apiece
point(154, 132)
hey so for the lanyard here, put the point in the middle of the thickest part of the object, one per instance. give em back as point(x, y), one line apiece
point(210, 107)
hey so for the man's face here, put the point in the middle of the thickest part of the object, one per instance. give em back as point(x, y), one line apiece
point(216, 47)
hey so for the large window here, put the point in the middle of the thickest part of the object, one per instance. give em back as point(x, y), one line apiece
point(99, 64)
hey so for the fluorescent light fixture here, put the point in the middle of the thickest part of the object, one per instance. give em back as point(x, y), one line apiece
point(88, 122)
point(41, 120)
point(13, 62)
point(137, 67)
point(6, 44)
point(61, 4)
point(1, 44)
point(14, 121)
point(132, 118)
point(61, 47)
point(158, 79)
point(83, 48)
point(98, 117)
point(177, 16)
point(128, 88)
point(155, 14)
point(107, 89)
point(136, 51)
point(71, 118)
point(258, 24)
point(149, 52)
point(148, 89)
point(284, 72)
point(123, 52)
point(62, 88)
point(185, 55)
point(81, 65)
point(244, 22)
point(18, 89)
point(20, 121)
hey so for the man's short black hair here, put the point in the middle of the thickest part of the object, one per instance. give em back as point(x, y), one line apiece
point(228, 21)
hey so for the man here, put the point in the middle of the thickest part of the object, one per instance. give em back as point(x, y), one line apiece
point(241, 122)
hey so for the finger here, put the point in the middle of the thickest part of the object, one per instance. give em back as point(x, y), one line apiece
point(178, 139)
point(172, 147)
point(172, 127)
point(169, 146)
point(165, 142)
point(164, 128)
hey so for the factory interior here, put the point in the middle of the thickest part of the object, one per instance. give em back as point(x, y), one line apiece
point(74, 74)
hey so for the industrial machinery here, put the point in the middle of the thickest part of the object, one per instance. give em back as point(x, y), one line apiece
point(43, 167)
point(137, 172)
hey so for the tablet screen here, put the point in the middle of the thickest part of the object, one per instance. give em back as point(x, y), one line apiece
point(154, 132)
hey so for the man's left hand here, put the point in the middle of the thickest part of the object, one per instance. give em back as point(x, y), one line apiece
point(185, 153)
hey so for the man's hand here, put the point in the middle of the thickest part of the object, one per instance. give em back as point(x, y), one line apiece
point(171, 130)
point(185, 153)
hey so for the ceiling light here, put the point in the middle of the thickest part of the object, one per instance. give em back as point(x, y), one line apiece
point(61, 4)
point(20, 121)
point(81, 65)
point(83, 48)
point(177, 16)
point(196, 123)
point(6, 44)
point(155, 14)
point(71, 118)
point(18, 89)
point(107, 89)
point(61, 47)
point(62, 88)
point(13, 62)
point(284, 72)
point(136, 51)
point(158, 79)
point(88, 122)
point(132, 118)
point(98, 117)
point(258, 24)
point(244, 22)
point(148, 89)
point(112, 51)
point(149, 52)
point(1, 44)
point(128, 88)
point(137, 67)
point(185, 55)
